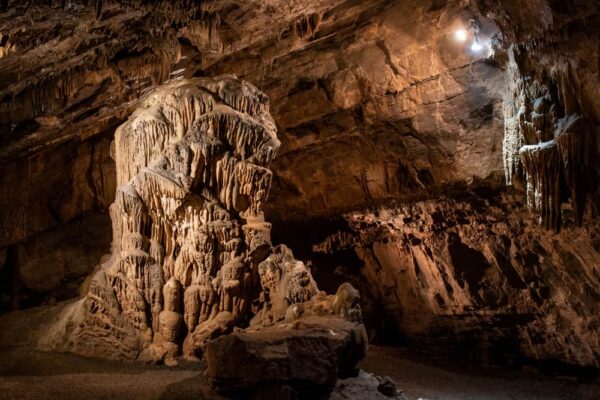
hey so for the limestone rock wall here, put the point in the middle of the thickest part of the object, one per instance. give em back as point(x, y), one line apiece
point(52, 266)
point(54, 218)
point(475, 273)
point(379, 101)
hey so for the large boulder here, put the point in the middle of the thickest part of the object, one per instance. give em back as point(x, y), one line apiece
point(308, 354)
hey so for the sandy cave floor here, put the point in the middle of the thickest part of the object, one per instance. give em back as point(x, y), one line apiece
point(31, 374)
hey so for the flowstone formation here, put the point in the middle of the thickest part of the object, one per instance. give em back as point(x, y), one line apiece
point(551, 136)
point(556, 148)
point(191, 256)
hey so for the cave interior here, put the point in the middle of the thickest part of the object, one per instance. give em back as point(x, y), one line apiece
point(284, 199)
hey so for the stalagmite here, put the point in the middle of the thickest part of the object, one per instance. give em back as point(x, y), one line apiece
point(191, 254)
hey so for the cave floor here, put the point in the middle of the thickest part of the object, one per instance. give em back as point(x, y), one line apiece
point(438, 379)
point(31, 374)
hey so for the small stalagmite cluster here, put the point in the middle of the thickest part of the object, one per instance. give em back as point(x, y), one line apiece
point(191, 256)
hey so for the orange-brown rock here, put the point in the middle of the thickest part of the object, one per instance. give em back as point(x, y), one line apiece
point(479, 271)
point(308, 354)
point(375, 101)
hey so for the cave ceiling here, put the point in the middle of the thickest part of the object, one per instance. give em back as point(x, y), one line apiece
point(372, 102)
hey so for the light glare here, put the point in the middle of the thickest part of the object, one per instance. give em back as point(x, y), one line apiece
point(460, 35)
point(476, 47)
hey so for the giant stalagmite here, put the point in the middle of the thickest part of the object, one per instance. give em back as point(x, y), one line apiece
point(191, 256)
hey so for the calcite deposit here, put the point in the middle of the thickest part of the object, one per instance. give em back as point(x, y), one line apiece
point(191, 256)
point(552, 141)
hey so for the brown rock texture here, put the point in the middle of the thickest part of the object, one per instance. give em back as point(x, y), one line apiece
point(310, 353)
point(477, 270)
point(347, 80)
point(70, 74)
point(191, 256)
point(377, 102)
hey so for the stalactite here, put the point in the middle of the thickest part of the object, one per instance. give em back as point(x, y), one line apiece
point(543, 172)
point(577, 146)
point(307, 25)
point(99, 6)
point(122, 66)
point(557, 146)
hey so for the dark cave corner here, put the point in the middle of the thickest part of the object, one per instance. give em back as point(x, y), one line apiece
point(10, 281)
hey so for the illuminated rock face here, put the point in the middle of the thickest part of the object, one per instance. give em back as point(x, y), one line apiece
point(190, 254)
point(375, 102)
point(550, 141)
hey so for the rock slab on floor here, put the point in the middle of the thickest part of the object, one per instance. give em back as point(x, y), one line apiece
point(311, 352)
